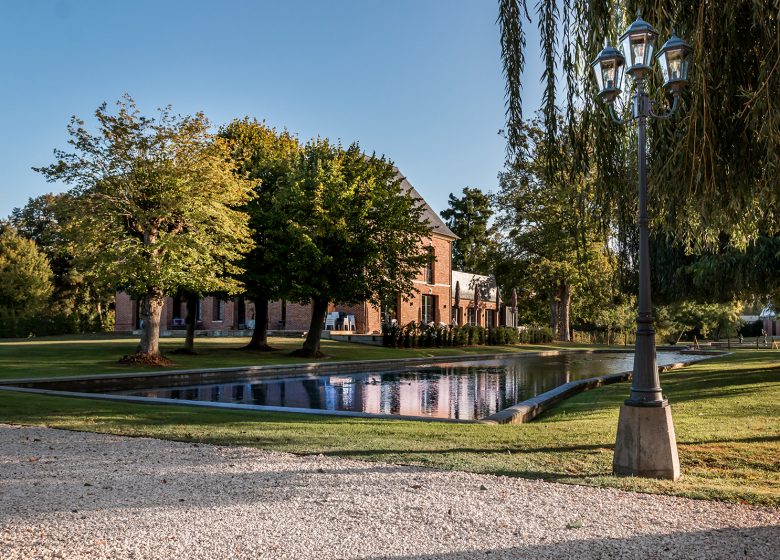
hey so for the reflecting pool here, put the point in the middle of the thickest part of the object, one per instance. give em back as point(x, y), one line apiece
point(458, 390)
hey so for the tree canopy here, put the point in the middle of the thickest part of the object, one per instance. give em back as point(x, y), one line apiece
point(25, 278)
point(266, 157)
point(714, 166)
point(355, 234)
point(82, 298)
point(156, 206)
point(469, 217)
point(554, 245)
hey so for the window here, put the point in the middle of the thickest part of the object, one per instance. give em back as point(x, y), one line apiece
point(472, 316)
point(428, 308)
point(429, 266)
point(218, 309)
point(490, 318)
point(390, 310)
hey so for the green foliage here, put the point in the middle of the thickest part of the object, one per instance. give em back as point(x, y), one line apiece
point(535, 335)
point(722, 274)
point(468, 217)
point(713, 166)
point(703, 320)
point(155, 205)
point(25, 281)
point(354, 234)
point(266, 157)
point(154, 201)
point(83, 300)
point(415, 335)
point(555, 247)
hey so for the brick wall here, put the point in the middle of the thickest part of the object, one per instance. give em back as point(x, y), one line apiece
point(297, 316)
point(368, 318)
point(125, 313)
point(484, 307)
point(412, 310)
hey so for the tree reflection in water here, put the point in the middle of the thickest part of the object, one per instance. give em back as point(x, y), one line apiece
point(460, 390)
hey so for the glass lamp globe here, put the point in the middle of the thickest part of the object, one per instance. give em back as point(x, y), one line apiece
point(674, 59)
point(638, 43)
point(608, 68)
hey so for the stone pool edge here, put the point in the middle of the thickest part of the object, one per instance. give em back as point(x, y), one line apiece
point(529, 409)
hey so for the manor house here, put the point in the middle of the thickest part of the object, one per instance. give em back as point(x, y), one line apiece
point(433, 300)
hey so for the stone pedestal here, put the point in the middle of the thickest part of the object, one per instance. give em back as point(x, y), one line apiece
point(645, 444)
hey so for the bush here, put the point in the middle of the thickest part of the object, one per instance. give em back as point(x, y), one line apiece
point(414, 335)
point(535, 335)
point(50, 325)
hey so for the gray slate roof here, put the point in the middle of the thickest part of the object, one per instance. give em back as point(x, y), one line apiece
point(437, 224)
point(470, 282)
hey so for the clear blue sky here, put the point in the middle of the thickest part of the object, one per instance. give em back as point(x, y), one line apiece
point(417, 80)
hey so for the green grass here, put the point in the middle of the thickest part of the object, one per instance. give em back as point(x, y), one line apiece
point(726, 415)
point(56, 356)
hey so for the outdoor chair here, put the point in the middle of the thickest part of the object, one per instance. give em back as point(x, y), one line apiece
point(330, 321)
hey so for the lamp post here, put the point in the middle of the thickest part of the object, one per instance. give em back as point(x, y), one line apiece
point(645, 444)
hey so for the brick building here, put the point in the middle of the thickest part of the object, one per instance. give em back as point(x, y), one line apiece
point(473, 312)
point(432, 301)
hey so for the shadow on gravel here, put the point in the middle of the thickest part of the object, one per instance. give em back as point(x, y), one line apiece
point(725, 544)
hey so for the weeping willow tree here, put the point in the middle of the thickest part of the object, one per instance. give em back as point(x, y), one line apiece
point(714, 167)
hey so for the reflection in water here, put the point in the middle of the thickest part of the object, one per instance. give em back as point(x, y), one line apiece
point(461, 390)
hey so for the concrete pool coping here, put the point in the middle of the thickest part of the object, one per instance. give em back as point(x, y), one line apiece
point(529, 409)
point(524, 411)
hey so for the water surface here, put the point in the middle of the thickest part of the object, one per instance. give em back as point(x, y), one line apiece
point(459, 390)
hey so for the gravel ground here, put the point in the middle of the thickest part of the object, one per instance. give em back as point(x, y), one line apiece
point(80, 495)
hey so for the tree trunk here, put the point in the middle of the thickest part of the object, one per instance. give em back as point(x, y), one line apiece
point(259, 341)
point(150, 313)
point(190, 321)
point(564, 314)
point(554, 315)
point(311, 346)
point(101, 321)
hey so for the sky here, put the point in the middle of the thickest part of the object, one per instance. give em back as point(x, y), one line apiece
point(416, 80)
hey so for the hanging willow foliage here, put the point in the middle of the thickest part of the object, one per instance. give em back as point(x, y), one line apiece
point(715, 167)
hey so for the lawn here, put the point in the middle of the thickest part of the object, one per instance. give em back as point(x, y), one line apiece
point(56, 356)
point(726, 413)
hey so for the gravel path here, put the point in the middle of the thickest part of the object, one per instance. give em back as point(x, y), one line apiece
point(77, 495)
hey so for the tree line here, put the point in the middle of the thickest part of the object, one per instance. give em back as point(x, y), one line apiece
point(563, 220)
point(164, 207)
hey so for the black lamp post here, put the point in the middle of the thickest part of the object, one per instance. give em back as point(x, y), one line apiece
point(645, 443)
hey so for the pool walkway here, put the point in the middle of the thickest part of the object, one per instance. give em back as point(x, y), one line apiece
point(79, 495)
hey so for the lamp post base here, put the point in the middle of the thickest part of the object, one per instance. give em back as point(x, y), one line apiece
point(646, 445)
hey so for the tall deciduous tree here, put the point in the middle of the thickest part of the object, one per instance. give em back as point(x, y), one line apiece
point(25, 277)
point(554, 243)
point(468, 217)
point(355, 235)
point(156, 206)
point(266, 157)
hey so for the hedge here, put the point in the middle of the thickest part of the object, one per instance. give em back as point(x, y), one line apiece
point(416, 335)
